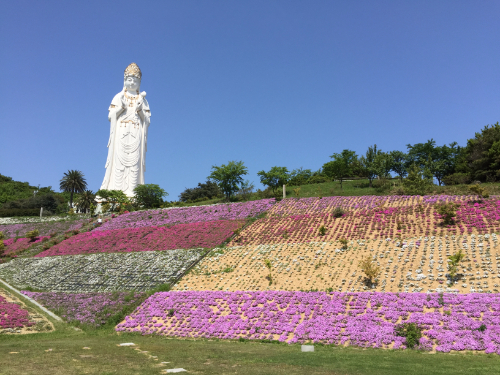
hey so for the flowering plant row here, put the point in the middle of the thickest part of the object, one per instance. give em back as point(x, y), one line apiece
point(230, 211)
point(99, 272)
point(45, 228)
point(93, 309)
point(13, 246)
point(181, 236)
point(448, 322)
point(295, 206)
point(12, 315)
point(404, 221)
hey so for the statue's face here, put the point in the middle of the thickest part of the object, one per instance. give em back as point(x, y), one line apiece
point(132, 83)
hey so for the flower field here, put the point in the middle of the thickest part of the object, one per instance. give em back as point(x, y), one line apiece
point(367, 223)
point(12, 246)
point(181, 236)
point(448, 321)
point(183, 215)
point(99, 272)
point(45, 228)
point(93, 309)
point(12, 315)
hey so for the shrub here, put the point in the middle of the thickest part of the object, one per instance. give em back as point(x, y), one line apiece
point(269, 265)
point(370, 268)
point(317, 179)
point(322, 230)
point(411, 331)
point(32, 235)
point(13, 212)
point(479, 190)
point(454, 260)
point(448, 212)
point(338, 212)
point(457, 179)
point(2, 247)
point(297, 181)
point(2, 236)
point(344, 243)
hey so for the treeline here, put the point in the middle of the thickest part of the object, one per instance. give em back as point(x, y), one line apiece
point(417, 167)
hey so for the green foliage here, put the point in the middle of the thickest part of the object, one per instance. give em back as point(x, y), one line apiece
point(383, 164)
point(322, 230)
point(11, 190)
point(86, 200)
point(448, 211)
point(2, 247)
point(411, 331)
point(418, 182)
point(370, 268)
point(367, 163)
point(2, 236)
point(338, 212)
point(246, 190)
point(344, 243)
point(149, 195)
point(274, 178)
point(269, 265)
point(458, 178)
point(316, 179)
point(228, 177)
point(482, 328)
point(399, 163)
point(341, 166)
point(16, 212)
point(483, 154)
point(479, 190)
point(72, 182)
point(32, 235)
point(202, 192)
point(113, 199)
point(299, 177)
point(454, 260)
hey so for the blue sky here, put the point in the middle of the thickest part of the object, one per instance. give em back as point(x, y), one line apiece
point(284, 83)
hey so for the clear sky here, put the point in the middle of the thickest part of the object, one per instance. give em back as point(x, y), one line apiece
point(284, 83)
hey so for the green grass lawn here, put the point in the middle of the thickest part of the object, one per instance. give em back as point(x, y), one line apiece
point(62, 352)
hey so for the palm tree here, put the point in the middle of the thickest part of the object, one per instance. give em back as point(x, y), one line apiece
point(86, 199)
point(73, 182)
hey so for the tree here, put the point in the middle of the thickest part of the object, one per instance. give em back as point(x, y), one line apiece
point(86, 200)
point(382, 164)
point(482, 154)
point(341, 166)
point(149, 195)
point(299, 176)
point(276, 177)
point(229, 176)
point(368, 163)
point(113, 197)
point(204, 191)
point(73, 182)
point(418, 181)
point(420, 153)
point(399, 163)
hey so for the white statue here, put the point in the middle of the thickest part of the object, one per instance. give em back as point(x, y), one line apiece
point(129, 116)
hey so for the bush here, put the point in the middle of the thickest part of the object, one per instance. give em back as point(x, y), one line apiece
point(13, 212)
point(2, 247)
point(479, 190)
point(370, 268)
point(448, 212)
point(208, 190)
point(317, 179)
point(297, 181)
point(338, 212)
point(32, 235)
point(411, 331)
point(149, 195)
point(457, 179)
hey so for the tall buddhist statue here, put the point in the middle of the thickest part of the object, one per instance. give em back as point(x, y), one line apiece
point(129, 117)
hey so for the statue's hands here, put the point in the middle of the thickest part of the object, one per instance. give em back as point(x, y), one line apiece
point(139, 105)
point(124, 102)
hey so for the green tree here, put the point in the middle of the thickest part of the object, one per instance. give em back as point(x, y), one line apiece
point(228, 177)
point(274, 178)
point(399, 163)
point(418, 181)
point(341, 165)
point(368, 163)
point(86, 200)
point(113, 198)
point(149, 195)
point(383, 164)
point(482, 154)
point(73, 182)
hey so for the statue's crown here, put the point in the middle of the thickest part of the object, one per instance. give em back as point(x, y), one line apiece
point(133, 70)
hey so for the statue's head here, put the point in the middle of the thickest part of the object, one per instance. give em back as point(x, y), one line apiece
point(132, 78)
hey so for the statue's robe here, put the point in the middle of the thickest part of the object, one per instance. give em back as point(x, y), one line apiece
point(127, 146)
